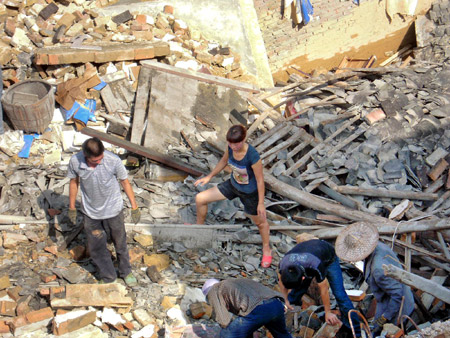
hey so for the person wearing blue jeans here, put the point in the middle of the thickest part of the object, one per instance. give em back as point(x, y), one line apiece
point(254, 304)
point(315, 259)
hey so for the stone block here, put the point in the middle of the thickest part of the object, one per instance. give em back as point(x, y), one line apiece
point(20, 39)
point(12, 240)
point(4, 282)
point(200, 309)
point(143, 36)
point(115, 54)
point(328, 331)
point(8, 307)
point(144, 240)
point(122, 17)
point(143, 317)
point(168, 302)
point(75, 30)
point(72, 321)
point(66, 20)
point(48, 11)
point(144, 53)
point(153, 273)
point(306, 332)
point(435, 156)
point(136, 254)
point(161, 261)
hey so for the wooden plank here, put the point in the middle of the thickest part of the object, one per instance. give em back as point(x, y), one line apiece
point(115, 119)
point(141, 105)
point(361, 129)
point(146, 152)
point(302, 161)
point(156, 104)
point(417, 282)
point(439, 278)
point(268, 134)
point(379, 192)
point(416, 248)
point(265, 112)
point(271, 140)
point(281, 146)
point(443, 245)
point(189, 74)
point(438, 202)
point(408, 253)
point(314, 184)
point(395, 55)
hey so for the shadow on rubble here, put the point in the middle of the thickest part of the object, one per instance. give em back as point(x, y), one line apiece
point(68, 238)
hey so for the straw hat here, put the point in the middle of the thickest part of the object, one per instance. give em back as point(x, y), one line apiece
point(356, 241)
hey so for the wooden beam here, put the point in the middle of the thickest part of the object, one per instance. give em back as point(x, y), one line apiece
point(141, 105)
point(313, 202)
point(417, 282)
point(401, 228)
point(146, 152)
point(351, 190)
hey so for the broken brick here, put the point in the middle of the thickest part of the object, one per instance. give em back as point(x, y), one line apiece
point(8, 308)
point(78, 252)
point(375, 116)
point(14, 293)
point(72, 321)
point(4, 328)
point(168, 9)
point(39, 315)
point(10, 26)
point(200, 309)
point(438, 169)
point(328, 331)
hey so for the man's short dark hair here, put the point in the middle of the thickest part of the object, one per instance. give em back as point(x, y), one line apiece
point(292, 277)
point(93, 147)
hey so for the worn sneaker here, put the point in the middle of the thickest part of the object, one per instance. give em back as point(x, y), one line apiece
point(130, 280)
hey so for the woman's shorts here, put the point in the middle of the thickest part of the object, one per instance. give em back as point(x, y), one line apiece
point(250, 201)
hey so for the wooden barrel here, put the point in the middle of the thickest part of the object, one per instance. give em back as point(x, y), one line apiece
point(29, 105)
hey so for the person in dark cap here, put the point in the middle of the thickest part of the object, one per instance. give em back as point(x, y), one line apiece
point(254, 304)
point(359, 242)
point(314, 258)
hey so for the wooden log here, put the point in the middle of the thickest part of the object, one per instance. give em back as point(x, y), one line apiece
point(313, 202)
point(443, 245)
point(417, 282)
point(114, 119)
point(438, 202)
point(146, 152)
point(402, 228)
point(350, 190)
point(416, 248)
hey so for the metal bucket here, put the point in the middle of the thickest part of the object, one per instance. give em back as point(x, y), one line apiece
point(29, 105)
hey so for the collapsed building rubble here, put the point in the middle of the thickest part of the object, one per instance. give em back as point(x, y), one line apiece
point(363, 144)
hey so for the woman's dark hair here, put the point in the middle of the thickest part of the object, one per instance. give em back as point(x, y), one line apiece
point(292, 277)
point(236, 133)
point(93, 147)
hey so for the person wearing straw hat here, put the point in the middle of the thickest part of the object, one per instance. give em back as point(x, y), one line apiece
point(359, 242)
point(315, 258)
point(254, 304)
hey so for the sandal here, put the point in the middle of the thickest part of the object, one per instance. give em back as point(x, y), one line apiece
point(266, 261)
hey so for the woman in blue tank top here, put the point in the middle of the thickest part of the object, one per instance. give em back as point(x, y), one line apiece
point(246, 183)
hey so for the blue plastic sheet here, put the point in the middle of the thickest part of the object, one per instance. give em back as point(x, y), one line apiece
point(28, 139)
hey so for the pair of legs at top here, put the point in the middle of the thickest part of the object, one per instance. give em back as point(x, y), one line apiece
point(250, 206)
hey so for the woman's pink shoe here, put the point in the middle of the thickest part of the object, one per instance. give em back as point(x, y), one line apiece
point(266, 261)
